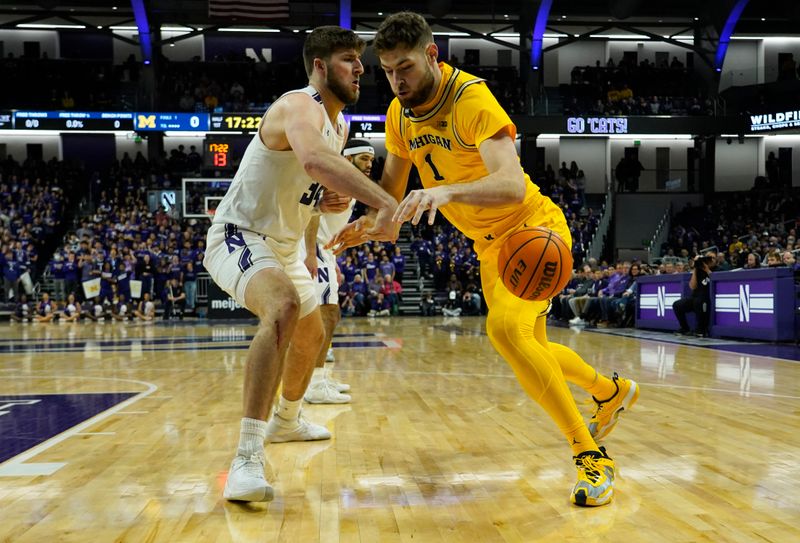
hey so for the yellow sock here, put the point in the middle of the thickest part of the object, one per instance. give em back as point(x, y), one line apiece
point(511, 326)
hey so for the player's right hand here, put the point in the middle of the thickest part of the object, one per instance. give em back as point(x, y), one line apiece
point(333, 202)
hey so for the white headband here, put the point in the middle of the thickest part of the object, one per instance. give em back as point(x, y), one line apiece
point(358, 150)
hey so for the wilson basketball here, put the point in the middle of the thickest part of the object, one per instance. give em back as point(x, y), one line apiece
point(535, 263)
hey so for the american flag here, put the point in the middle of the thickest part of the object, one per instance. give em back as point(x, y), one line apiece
point(249, 9)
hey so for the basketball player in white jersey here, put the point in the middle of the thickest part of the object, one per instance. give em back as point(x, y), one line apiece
point(252, 250)
point(322, 264)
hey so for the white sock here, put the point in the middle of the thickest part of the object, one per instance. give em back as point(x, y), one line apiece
point(318, 375)
point(252, 434)
point(288, 409)
point(328, 369)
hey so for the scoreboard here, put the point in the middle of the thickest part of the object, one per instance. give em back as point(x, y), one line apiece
point(218, 154)
point(71, 120)
point(361, 125)
point(192, 122)
point(366, 126)
point(232, 122)
point(6, 120)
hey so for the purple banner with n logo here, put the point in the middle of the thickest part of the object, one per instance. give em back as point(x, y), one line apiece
point(657, 293)
point(747, 303)
point(757, 304)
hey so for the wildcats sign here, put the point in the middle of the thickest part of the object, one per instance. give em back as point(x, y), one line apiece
point(775, 121)
point(597, 125)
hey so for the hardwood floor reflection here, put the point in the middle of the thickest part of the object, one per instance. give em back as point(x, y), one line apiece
point(128, 432)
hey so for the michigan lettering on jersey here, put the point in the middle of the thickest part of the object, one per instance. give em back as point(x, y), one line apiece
point(427, 139)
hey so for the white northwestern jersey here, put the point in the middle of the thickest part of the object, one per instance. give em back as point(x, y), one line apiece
point(272, 194)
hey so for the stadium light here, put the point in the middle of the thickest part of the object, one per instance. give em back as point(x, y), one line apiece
point(44, 25)
point(259, 30)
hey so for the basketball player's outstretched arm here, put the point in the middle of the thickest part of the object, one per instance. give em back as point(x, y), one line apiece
point(394, 180)
point(303, 121)
point(504, 185)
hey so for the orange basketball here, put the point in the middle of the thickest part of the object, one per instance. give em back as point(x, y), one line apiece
point(535, 263)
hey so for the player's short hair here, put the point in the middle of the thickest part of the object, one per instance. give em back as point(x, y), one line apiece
point(403, 29)
point(324, 41)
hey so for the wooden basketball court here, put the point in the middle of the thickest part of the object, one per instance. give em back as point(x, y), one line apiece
point(124, 432)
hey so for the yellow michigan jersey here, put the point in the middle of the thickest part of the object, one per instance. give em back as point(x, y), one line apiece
point(443, 145)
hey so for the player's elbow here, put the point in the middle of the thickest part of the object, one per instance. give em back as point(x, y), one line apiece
point(313, 164)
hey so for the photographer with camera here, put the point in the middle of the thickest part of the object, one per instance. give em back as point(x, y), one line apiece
point(700, 300)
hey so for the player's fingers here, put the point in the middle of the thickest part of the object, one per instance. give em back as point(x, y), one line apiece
point(400, 212)
point(424, 204)
point(432, 213)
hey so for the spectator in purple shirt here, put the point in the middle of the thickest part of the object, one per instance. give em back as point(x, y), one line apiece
point(399, 261)
point(386, 267)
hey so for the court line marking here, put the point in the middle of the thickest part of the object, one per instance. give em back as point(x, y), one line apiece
point(436, 373)
point(16, 467)
point(502, 376)
point(96, 434)
point(239, 346)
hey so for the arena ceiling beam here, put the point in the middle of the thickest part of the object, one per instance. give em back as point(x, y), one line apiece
point(475, 34)
point(655, 37)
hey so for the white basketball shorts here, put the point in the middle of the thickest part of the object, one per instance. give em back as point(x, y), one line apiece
point(234, 255)
point(327, 282)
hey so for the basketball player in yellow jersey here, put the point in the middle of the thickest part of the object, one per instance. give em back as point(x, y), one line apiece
point(449, 125)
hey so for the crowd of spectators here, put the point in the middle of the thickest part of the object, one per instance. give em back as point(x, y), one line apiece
point(33, 201)
point(129, 253)
point(64, 84)
point(567, 188)
point(626, 88)
point(371, 281)
point(230, 83)
point(748, 228)
point(119, 260)
point(599, 294)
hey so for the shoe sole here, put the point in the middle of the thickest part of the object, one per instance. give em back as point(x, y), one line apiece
point(263, 495)
point(326, 401)
point(280, 439)
point(627, 403)
point(581, 499)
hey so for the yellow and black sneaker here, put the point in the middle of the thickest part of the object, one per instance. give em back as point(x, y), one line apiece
point(607, 413)
point(595, 484)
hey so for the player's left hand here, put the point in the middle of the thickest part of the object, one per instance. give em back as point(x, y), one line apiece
point(333, 202)
point(353, 234)
point(418, 201)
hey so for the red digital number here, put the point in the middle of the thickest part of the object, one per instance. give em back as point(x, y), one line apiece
point(220, 160)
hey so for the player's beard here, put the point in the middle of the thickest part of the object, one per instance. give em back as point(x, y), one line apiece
point(419, 96)
point(341, 90)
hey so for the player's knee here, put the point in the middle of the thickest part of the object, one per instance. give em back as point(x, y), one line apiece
point(283, 309)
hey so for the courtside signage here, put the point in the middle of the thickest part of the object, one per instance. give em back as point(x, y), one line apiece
point(597, 125)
